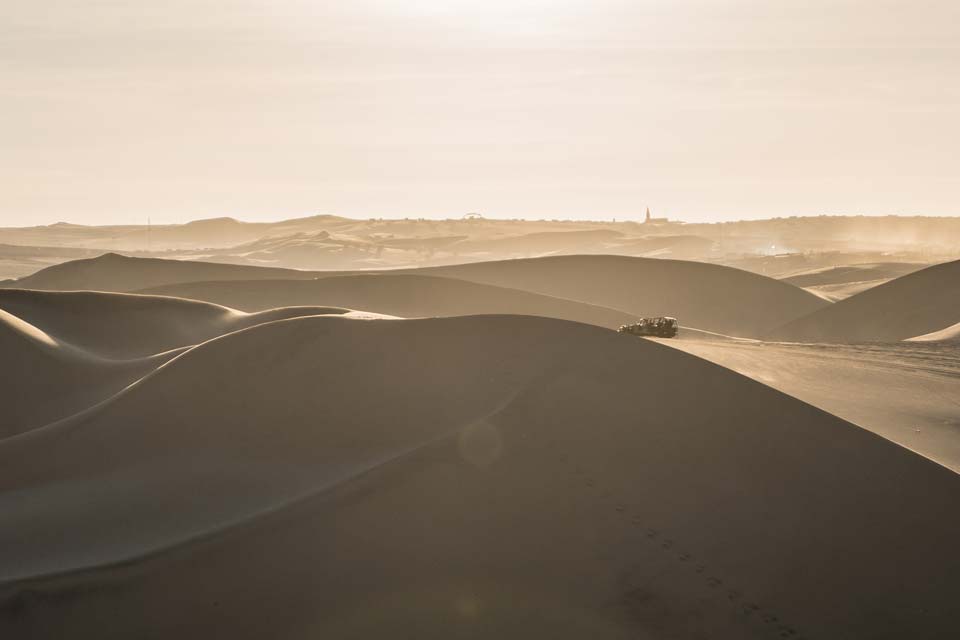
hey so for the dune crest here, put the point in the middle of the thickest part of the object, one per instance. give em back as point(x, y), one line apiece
point(916, 304)
point(707, 296)
point(43, 378)
point(948, 334)
point(120, 326)
point(711, 297)
point(400, 294)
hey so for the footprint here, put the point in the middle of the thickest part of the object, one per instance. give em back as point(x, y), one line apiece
point(667, 544)
point(684, 557)
point(714, 582)
point(620, 508)
point(651, 533)
point(636, 520)
point(701, 568)
point(769, 618)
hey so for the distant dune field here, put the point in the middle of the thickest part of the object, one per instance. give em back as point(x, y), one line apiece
point(705, 296)
point(114, 272)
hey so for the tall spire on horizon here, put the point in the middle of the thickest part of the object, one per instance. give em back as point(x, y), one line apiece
point(648, 215)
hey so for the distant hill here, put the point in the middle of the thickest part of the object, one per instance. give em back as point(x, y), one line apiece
point(114, 272)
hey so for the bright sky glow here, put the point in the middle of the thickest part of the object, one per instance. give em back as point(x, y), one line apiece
point(702, 109)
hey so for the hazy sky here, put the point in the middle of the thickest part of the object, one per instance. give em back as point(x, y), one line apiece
point(113, 110)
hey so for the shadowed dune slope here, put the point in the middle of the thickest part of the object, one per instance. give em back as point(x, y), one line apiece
point(706, 296)
point(114, 272)
point(119, 325)
point(43, 378)
point(464, 477)
point(406, 295)
point(913, 305)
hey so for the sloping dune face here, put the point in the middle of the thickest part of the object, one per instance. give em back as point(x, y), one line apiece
point(131, 326)
point(114, 272)
point(63, 352)
point(839, 283)
point(43, 378)
point(705, 296)
point(405, 295)
point(950, 334)
point(913, 305)
point(464, 477)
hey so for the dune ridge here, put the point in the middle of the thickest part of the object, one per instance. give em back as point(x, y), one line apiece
point(555, 491)
point(121, 325)
point(119, 273)
point(400, 294)
point(916, 304)
point(67, 351)
point(43, 378)
point(947, 334)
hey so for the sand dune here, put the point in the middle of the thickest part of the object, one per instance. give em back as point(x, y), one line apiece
point(406, 295)
point(116, 325)
point(574, 492)
point(838, 292)
point(114, 272)
point(66, 351)
point(905, 392)
point(915, 304)
point(839, 283)
point(706, 296)
point(709, 297)
point(43, 378)
point(949, 334)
